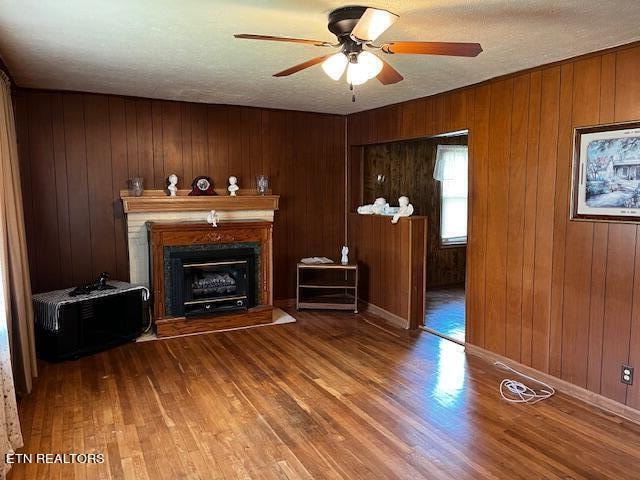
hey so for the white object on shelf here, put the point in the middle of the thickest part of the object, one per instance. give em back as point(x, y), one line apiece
point(378, 207)
point(173, 185)
point(316, 260)
point(233, 187)
point(345, 255)
point(405, 210)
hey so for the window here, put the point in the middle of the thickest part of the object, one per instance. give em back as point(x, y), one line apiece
point(451, 170)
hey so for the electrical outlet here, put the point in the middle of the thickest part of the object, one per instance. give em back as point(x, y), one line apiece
point(626, 374)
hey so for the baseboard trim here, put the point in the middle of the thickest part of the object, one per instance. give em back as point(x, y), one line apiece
point(560, 385)
point(389, 317)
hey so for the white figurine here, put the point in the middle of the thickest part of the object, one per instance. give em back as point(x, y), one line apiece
point(378, 207)
point(405, 210)
point(173, 184)
point(233, 188)
point(212, 218)
point(345, 252)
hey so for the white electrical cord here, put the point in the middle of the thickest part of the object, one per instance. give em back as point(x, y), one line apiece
point(517, 392)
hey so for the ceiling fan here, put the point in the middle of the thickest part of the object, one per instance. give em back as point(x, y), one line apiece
point(356, 28)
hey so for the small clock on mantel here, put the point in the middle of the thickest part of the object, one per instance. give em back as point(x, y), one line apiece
point(202, 186)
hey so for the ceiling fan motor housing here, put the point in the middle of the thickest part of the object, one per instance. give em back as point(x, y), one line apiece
point(343, 20)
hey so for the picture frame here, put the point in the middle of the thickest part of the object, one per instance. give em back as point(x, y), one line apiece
point(605, 179)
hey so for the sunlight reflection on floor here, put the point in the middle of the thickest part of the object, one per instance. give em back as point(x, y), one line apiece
point(450, 373)
point(445, 312)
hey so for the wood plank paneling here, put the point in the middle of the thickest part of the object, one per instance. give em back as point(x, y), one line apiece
point(558, 295)
point(78, 150)
point(617, 308)
point(561, 206)
point(497, 214)
point(79, 216)
point(100, 183)
point(547, 153)
point(516, 216)
point(530, 206)
point(62, 188)
point(479, 145)
point(43, 186)
point(119, 171)
point(578, 262)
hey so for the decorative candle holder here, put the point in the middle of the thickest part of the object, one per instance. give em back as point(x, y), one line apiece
point(262, 184)
point(136, 186)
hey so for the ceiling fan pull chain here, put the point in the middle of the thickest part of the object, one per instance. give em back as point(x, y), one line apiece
point(353, 95)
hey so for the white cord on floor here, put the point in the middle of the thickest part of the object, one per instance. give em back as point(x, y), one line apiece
point(517, 392)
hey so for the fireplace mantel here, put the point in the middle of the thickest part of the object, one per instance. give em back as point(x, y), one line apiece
point(159, 201)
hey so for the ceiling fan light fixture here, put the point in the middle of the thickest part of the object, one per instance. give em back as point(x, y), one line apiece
point(373, 23)
point(367, 66)
point(335, 65)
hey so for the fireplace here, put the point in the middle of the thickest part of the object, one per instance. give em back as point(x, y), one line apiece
point(206, 280)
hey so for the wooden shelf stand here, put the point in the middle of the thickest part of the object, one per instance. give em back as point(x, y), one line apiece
point(329, 286)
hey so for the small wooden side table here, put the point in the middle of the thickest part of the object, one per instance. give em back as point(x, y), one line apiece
point(329, 286)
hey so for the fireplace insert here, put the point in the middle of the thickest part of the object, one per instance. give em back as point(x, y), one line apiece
point(212, 281)
point(217, 286)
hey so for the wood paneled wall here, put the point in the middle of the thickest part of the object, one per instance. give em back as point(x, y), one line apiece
point(392, 265)
point(78, 150)
point(560, 296)
point(408, 168)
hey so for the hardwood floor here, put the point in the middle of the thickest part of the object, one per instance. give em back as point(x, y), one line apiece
point(444, 312)
point(332, 396)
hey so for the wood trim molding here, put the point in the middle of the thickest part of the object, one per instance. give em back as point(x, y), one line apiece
point(387, 316)
point(158, 201)
point(560, 385)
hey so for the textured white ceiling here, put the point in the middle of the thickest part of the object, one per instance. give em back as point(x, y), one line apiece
point(185, 50)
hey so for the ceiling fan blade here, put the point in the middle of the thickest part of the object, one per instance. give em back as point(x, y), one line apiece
point(302, 66)
point(372, 24)
point(434, 48)
point(388, 75)
point(250, 36)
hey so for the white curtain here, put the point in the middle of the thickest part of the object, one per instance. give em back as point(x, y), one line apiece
point(10, 435)
point(452, 170)
point(451, 161)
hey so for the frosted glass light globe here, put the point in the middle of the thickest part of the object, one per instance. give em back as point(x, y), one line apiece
point(334, 65)
point(367, 67)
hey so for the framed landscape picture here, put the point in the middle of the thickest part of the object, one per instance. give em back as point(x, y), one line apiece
point(606, 173)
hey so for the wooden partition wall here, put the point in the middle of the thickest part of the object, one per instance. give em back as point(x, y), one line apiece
point(392, 264)
point(558, 295)
point(78, 150)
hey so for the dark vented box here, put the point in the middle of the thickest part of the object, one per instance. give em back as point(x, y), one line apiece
point(92, 325)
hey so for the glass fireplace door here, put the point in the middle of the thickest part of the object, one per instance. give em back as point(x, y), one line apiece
point(214, 287)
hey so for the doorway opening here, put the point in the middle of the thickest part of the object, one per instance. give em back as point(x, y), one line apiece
point(433, 173)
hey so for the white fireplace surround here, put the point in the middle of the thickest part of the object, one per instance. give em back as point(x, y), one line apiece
point(137, 223)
